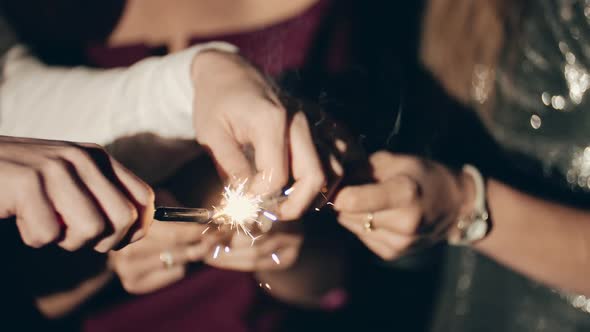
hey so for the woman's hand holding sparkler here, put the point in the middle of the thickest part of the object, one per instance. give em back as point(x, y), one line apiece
point(235, 107)
point(413, 202)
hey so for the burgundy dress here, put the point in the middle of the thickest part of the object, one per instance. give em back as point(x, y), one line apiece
point(210, 299)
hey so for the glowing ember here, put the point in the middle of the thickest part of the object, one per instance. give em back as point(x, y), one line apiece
point(238, 209)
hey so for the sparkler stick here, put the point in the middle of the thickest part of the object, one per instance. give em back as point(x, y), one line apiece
point(179, 214)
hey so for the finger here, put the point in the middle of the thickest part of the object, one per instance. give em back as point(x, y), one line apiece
point(363, 198)
point(307, 170)
point(242, 259)
point(163, 235)
point(156, 280)
point(83, 218)
point(24, 197)
point(403, 221)
point(143, 197)
point(228, 155)
point(395, 192)
point(380, 249)
point(375, 244)
point(270, 150)
point(278, 241)
point(119, 210)
point(394, 241)
point(386, 165)
point(136, 265)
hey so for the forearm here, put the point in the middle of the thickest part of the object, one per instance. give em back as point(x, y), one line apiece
point(60, 304)
point(543, 240)
point(82, 104)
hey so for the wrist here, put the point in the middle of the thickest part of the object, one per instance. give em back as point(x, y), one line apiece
point(212, 62)
point(472, 223)
point(208, 52)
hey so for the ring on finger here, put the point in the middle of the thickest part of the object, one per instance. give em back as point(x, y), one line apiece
point(368, 226)
point(167, 259)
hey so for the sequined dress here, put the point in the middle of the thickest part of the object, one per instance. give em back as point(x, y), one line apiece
point(536, 105)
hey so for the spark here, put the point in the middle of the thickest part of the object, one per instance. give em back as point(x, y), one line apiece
point(254, 240)
point(270, 216)
point(317, 209)
point(330, 203)
point(289, 191)
point(205, 230)
point(216, 253)
point(275, 258)
point(265, 285)
point(238, 209)
point(226, 249)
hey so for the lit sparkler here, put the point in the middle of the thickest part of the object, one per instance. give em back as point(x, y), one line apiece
point(238, 209)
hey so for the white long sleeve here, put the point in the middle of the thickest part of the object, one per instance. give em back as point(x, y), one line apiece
point(99, 106)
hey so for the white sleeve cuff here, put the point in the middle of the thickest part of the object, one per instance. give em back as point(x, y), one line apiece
point(154, 96)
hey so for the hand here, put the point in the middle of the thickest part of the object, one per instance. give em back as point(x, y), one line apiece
point(72, 194)
point(412, 202)
point(235, 107)
point(161, 257)
point(284, 241)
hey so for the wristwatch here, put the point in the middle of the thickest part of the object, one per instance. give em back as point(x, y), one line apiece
point(476, 225)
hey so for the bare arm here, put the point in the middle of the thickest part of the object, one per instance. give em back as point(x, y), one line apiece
point(546, 241)
point(96, 105)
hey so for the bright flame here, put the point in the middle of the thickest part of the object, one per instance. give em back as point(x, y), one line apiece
point(238, 209)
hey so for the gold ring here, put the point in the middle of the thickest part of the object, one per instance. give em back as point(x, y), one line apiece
point(368, 225)
point(167, 259)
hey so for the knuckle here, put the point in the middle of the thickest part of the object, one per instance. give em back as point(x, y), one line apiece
point(351, 200)
point(130, 285)
point(388, 254)
point(42, 237)
point(125, 217)
point(54, 167)
point(408, 189)
point(89, 230)
point(125, 272)
point(146, 195)
point(31, 181)
point(32, 241)
point(405, 243)
point(409, 224)
point(70, 245)
point(318, 181)
point(280, 179)
point(380, 156)
point(74, 153)
point(47, 236)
